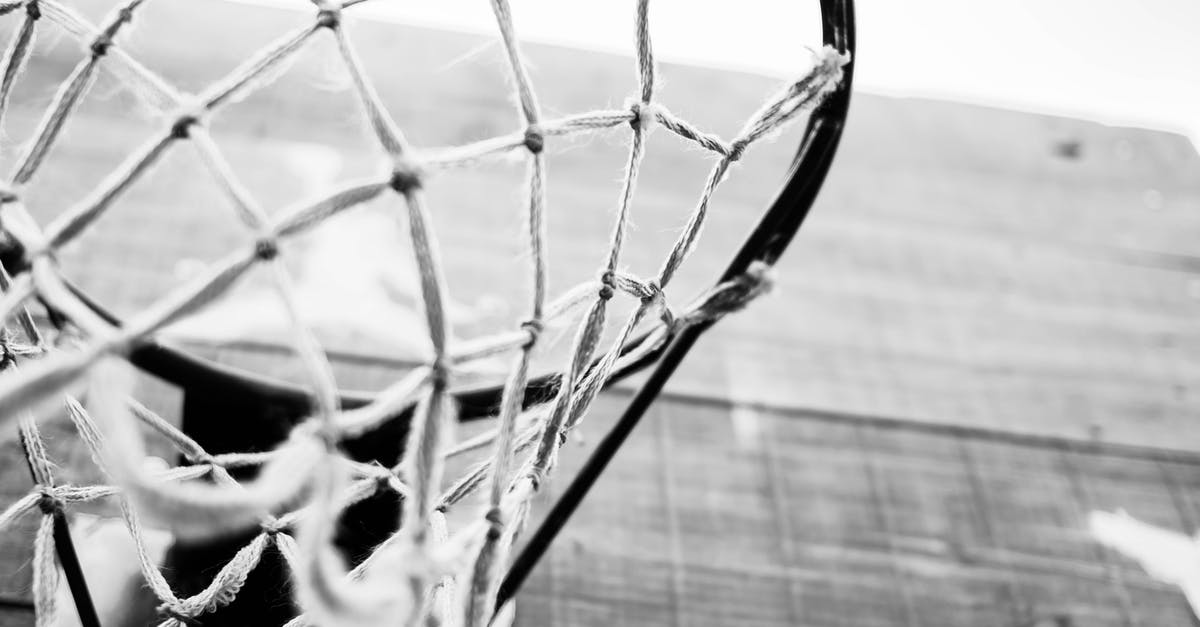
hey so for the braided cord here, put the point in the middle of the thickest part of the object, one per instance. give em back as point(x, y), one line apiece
point(428, 571)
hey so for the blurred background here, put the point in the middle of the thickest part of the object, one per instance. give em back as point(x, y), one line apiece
point(986, 330)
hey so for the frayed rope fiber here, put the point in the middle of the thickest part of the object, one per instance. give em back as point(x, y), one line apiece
point(426, 572)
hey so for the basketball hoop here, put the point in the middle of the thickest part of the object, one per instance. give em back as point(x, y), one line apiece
point(425, 569)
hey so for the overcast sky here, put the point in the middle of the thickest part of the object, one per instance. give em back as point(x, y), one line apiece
point(1134, 62)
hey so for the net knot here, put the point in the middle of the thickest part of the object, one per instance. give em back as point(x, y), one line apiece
point(732, 295)
point(125, 14)
point(8, 357)
point(495, 521)
point(203, 458)
point(49, 501)
point(534, 328)
point(649, 292)
point(736, 149)
point(607, 284)
point(534, 477)
point(272, 527)
point(177, 612)
point(329, 15)
point(183, 123)
point(535, 139)
point(653, 296)
point(266, 248)
point(7, 194)
point(383, 481)
point(101, 45)
point(645, 115)
point(33, 10)
point(25, 238)
point(406, 176)
point(439, 372)
point(105, 39)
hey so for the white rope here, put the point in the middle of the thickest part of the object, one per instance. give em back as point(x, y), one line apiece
point(426, 572)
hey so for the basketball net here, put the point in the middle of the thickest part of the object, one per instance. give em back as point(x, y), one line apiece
point(425, 572)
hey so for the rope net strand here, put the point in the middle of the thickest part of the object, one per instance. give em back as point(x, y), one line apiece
point(425, 572)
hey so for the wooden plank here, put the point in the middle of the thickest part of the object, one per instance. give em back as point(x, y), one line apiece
point(936, 547)
point(1029, 502)
point(767, 518)
point(16, 617)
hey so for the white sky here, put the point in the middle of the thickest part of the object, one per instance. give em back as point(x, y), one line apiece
point(1129, 62)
